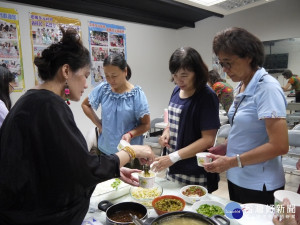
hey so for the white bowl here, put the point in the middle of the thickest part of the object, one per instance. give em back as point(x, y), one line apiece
point(192, 199)
point(145, 181)
point(196, 205)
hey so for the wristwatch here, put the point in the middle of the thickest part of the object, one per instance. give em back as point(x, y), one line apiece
point(239, 161)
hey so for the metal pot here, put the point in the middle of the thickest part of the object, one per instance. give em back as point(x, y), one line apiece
point(113, 209)
point(214, 220)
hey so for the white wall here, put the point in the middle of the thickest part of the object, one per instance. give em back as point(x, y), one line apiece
point(149, 48)
point(271, 21)
point(148, 51)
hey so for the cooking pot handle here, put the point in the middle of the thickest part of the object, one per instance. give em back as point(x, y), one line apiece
point(149, 220)
point(220, 220)
point(104, 205)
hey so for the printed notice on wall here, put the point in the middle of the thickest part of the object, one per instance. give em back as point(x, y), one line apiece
point(10, 45)
point(44, 30)
point(104, 39)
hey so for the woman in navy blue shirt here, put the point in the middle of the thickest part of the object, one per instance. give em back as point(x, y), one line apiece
point(193, 121)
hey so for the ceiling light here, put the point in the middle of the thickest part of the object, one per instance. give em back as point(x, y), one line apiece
point(207, 2)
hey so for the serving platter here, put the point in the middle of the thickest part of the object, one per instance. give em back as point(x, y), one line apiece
point(107, 192)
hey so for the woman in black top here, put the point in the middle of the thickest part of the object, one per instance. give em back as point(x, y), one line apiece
point(47, 175)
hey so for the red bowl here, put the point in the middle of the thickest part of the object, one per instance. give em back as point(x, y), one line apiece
point(168, 201)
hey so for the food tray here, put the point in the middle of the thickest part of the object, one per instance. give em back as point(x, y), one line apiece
point(107, 192)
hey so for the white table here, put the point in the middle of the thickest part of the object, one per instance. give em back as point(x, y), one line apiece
point(169, 188)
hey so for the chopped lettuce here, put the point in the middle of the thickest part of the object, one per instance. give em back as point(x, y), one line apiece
point(116, 183)
point(210, 210)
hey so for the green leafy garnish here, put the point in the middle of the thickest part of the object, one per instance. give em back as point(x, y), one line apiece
point(210, 210)
point(116, 183)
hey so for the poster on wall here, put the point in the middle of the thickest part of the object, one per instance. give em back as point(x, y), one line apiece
point(10, 45)
point(44, 31)
point(104, 39)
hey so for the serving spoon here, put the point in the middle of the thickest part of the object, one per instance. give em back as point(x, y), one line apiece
point(136, 220)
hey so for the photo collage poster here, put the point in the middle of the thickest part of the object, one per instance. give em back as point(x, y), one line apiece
point(10, 45)
point(44, 30)
point(104, 39)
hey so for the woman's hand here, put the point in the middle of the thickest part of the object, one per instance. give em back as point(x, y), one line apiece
point(218, 150)
point(126, 137)
point(161, 163)
point(288, 218)
point(144, 153)
point(219, 163)
point(126, 176)
point(164, 139)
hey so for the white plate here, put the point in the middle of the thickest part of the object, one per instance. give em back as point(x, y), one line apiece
point(196, 205)
point(105, 190)
point(256, 214)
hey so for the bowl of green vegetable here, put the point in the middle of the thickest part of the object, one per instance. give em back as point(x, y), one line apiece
point(209, 208)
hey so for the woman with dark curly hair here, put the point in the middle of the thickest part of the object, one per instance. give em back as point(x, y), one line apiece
point(47, 175)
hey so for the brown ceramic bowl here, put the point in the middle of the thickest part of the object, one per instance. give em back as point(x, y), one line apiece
point(168, 203)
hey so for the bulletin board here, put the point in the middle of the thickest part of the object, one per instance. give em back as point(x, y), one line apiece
point(44, 31)
point(10, 45)
point(104, 39)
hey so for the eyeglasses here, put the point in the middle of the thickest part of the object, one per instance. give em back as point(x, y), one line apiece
point(226, 65)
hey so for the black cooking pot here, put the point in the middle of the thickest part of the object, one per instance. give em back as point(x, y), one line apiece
point(214, 220)
point(120, 208)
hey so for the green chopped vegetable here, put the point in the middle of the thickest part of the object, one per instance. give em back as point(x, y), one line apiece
point(210, 210)
point(116, 183)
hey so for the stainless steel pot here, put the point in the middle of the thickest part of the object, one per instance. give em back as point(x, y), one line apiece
point(112, 209)
point(214, 220)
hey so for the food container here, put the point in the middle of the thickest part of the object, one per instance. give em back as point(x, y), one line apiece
point(168, 203)
point(202, 158)
point(193, 193)
point(147, 181)
point(168, 217)
point(145, 196)
point(122, 144)
point(108, 191)
point(117, 212)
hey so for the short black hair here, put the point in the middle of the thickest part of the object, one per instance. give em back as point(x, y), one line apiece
point(240, 42)
point(117, 59)
point(189, 59)
point(287, 73)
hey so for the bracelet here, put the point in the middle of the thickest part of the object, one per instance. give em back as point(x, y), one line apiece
point(174, 157)
point(239, 161)
point(130, 151)
point(130, 134)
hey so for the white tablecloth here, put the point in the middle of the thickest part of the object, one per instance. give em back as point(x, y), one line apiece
point(168, 188)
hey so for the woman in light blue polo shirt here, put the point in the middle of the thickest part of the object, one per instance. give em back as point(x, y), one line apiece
point(258, 135)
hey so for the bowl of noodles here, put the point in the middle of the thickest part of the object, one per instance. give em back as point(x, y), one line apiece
point(145, 196)
point(168, 203)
